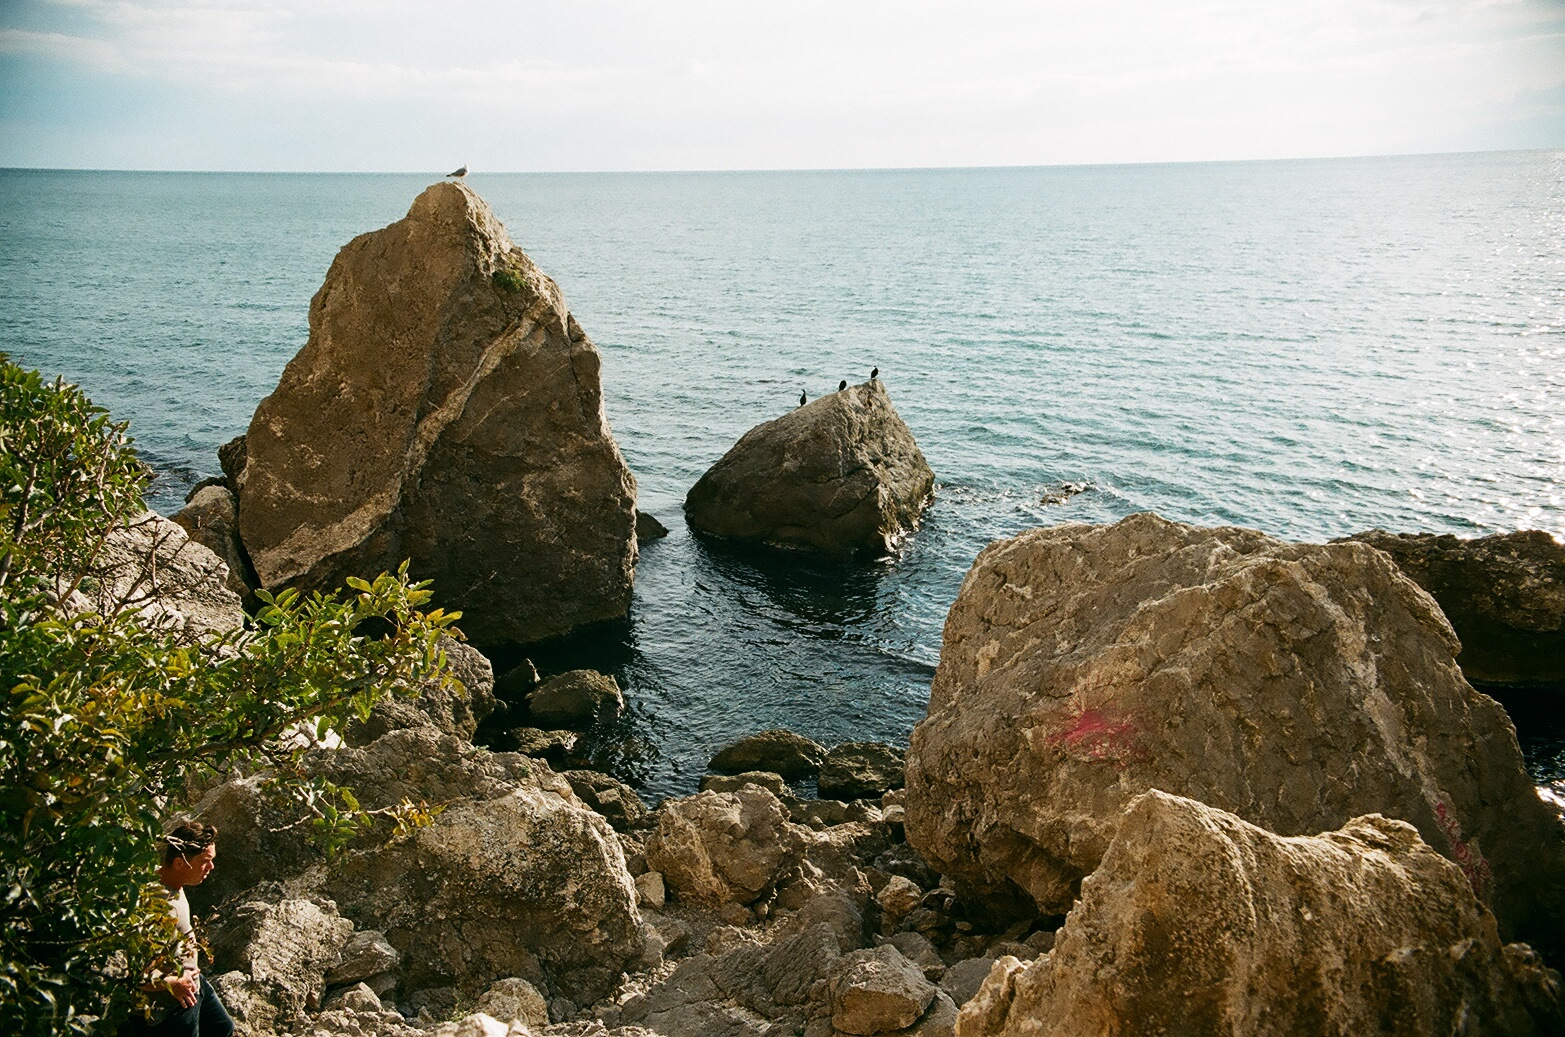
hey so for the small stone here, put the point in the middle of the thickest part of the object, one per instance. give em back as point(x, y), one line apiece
point(514, 999)
point(649, 528)
point(898, 898)
point(877, 990)
point(649, 890)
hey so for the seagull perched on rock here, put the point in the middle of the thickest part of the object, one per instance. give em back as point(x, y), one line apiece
point(459, 174)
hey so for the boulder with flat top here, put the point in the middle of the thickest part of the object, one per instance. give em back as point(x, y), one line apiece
point(1294, 685)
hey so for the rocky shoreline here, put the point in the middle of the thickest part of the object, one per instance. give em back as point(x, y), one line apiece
point(1172, 779)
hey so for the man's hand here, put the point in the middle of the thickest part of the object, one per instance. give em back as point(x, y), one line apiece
point(185, 989)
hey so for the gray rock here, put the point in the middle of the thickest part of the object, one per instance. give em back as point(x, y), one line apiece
point(178, 585)
point(285, 949)
point(501, 887)
point(1294, 685)
point(446, 410)
point(451, 709)
point(767, 780)
point(649, 528)
point(211, 518)
point(962, 980)
point(1504, 596)
point(1197, 922)
point(722, 847)
point(366, 953)
point(854, 770)
point(612, 798)
point(514, 1000)
point(916, 948)
point(575, 698)
point(781, 752)
point(877, 990)
point(514, 878)
point(840, 476)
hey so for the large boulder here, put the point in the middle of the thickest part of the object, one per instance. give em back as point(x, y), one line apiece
point(1504, 596)
point(447, 410)
point(719, 847)
point(575, 698)
point(527, 885)
point(840, 476)
point(1294, 685)
point(876, 991)
point(152, 565)
point(1199, 923)
point(513, 877)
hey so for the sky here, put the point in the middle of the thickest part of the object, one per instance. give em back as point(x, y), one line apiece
point(515, 85)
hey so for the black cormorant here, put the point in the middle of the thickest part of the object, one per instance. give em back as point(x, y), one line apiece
point(874, 373)
point(842, 385)
point(801, 397)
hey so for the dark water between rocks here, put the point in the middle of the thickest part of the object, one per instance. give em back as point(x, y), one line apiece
point(1311, 348)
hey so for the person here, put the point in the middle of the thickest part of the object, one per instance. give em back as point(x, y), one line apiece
point(184, 1003)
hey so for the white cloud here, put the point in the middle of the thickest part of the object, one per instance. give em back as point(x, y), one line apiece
point(609, 83)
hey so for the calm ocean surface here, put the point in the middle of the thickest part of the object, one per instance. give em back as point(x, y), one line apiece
point(1310, 348)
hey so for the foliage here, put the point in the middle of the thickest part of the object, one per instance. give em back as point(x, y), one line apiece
point(508, 279)
point(107, 713)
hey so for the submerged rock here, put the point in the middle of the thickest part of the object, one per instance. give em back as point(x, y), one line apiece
point(1295, 685)
point(1199, 923)
point(1504, 596)
point(841, 476)
point(447, 410)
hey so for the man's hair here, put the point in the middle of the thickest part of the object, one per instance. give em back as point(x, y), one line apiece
point(187, 838)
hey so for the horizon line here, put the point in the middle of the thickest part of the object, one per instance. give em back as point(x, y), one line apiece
point(787, 169)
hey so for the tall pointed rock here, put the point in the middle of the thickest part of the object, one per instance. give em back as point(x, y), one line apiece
point(446, 409)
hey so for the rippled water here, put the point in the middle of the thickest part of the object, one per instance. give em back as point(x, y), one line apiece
point(1307, 347)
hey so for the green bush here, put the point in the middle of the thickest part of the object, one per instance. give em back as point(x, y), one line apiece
point(107, 715)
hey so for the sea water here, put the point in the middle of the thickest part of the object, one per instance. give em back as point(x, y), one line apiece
point(1310, 348)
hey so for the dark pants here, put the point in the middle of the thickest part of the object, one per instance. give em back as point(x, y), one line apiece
point(206, 1018)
